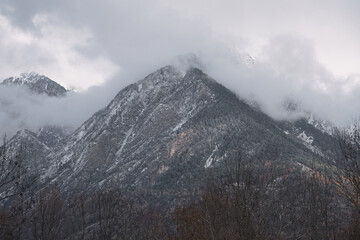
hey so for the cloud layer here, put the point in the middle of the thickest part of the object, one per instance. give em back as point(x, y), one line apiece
point(305, 51)
point(52, 49)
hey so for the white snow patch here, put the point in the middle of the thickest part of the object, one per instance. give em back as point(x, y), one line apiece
point(306, 139)
point(80, 162)
point(113, 112)
point(177, 127)
point(80, 134)
point(118, 153)
point(304, 168)
point(66, 158)
point(102, 182)
point(188, 115)
point(128, 133)
point(323, 126)
point(211, 158)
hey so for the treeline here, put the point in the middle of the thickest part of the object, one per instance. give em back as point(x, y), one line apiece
point(244, 202)
point(247, 197)
point(253, 203)
point(107, 214)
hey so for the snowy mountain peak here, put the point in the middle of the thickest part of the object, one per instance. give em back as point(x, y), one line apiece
point(168, 73)
point(37, 83)
point(25, 78)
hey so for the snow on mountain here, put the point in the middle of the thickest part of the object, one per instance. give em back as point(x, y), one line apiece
point(34, 147)
point(322, 125)
point(311, 131)
point(37, 83)
point(164, 132)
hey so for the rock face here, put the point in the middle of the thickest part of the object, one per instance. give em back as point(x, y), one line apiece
point(164, 133)
point(37, 83)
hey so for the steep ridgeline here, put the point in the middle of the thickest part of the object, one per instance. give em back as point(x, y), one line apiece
point(34, 148)
point(164, 132)
point(314, 134)
point(311, 131)
point(39, 84)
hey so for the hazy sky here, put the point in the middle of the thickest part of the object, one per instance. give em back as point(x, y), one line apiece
point(305, 50)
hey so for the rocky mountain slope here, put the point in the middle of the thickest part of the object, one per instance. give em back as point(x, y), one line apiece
point(164, 133)
point(34, 147)
point(36, 83)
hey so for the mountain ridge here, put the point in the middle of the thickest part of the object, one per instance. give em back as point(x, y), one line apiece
point(165, 131)
point(165, 122)
point(36, 83)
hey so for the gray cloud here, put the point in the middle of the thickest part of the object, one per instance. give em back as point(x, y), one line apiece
point(305, 50)
point(289, 70)
point(20, 108)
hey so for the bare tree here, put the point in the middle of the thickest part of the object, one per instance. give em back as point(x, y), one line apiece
point(114, 213)
point(12, 172)
point(14, 193)
point(78, 211)
point(48, 214)
point(346, 174)
point(236, 205)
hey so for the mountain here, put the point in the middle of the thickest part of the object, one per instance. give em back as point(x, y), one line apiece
point(33, 147)
point(158, 144)
point(164, 133)
point(153, 156)
point(36, 83)
point(53, 136)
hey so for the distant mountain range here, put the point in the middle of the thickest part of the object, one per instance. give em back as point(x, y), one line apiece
point(162, 133)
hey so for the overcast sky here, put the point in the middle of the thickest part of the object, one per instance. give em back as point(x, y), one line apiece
point(307, 51)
